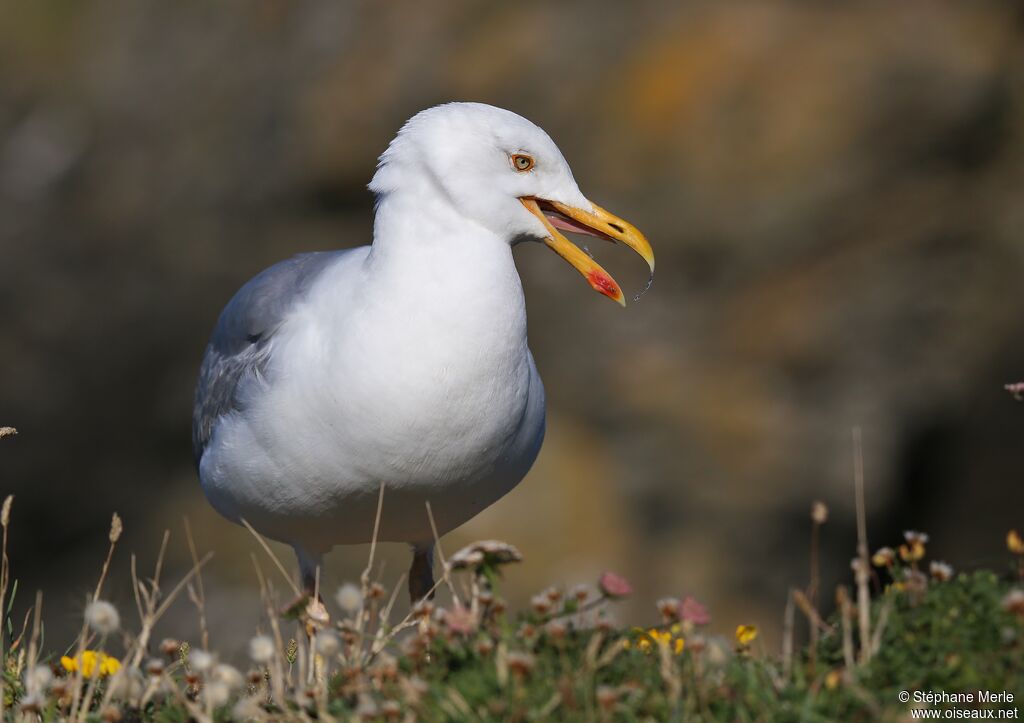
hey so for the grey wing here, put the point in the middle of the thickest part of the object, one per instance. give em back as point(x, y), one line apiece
point(239, 346)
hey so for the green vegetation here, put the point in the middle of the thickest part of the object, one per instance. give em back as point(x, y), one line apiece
point(560, 660)
point(927, 641)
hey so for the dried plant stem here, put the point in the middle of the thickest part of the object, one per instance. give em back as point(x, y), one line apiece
point(846, 616)
point(880, 624)
point(808, 610)
point(669, 674)
point(152, 611)
point(273, 557)
point(196, 593)
point(194, 710)
point(5, 576)
point(381, 642)
point(863, 567)
point(37, 631)
point(277, 690)
point(76, 696)
point(812, 595)
point(812, 590)
point(788, 623)
point(90, 690)
point(385, 614)
point(115, 535)
point(310, 628)
point(440, 555)
point(365, 577)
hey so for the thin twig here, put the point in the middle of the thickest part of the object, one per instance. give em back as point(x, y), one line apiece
point(863, 591)
point(364, 579)
point(440, 554)
point(5, 574)
point(277, 690)
point(846, 616)
point(37, 630)
point(807, 609)
point(373, 540)
point(788, 623)
point(114, 536)
point(883, 620)
point(273, 557)
point(197, 594)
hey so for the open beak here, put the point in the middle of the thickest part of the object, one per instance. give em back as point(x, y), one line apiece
point(601, 224)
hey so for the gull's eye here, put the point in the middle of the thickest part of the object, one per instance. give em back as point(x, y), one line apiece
point(522, 162)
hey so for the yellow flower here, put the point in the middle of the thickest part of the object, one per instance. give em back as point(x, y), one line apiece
point(1014, 542)
point(661, 637)
point(745, 635)
point(109, 665)
point(913, 552)
point(832, 679)
point(647, 639)
point(884, 557)
point(91, 663)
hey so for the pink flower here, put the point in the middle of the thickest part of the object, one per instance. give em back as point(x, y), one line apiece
point(614, 585)
point(461, 621)
point(692, 611)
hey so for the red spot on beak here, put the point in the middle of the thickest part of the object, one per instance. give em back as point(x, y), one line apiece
point(605, 284)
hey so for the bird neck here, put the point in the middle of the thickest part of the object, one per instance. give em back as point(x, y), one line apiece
point(453, 269)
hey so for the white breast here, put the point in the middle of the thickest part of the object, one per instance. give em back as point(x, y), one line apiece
point(409, 369)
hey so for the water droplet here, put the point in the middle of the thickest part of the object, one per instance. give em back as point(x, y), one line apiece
point(643, 291)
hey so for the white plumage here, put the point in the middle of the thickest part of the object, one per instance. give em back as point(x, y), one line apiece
point(405, 362)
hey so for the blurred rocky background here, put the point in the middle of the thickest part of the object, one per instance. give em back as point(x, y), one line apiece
point(835, 192)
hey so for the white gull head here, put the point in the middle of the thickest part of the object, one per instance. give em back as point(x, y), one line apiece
point(482, 160)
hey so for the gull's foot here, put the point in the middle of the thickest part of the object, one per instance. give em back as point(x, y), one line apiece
point(310, 610)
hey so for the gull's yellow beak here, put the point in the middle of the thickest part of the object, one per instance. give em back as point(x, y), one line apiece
point(600, 223)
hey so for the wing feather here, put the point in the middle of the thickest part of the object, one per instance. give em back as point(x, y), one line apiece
point(239, 347)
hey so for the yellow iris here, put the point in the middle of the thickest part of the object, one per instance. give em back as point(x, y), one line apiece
point(91, 662)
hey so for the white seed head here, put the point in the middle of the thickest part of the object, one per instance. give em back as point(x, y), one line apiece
point(216, 694)
point(102, 617)
point(940, 571)
point(116, 528)
point(349, 597)
point(127, 684)
point(228, 675)
point(200, 661)
point(38, 679)
point(31, 705)
point(1013, 602)
point(248, 709)
point(261, 649)
point(327, 643)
